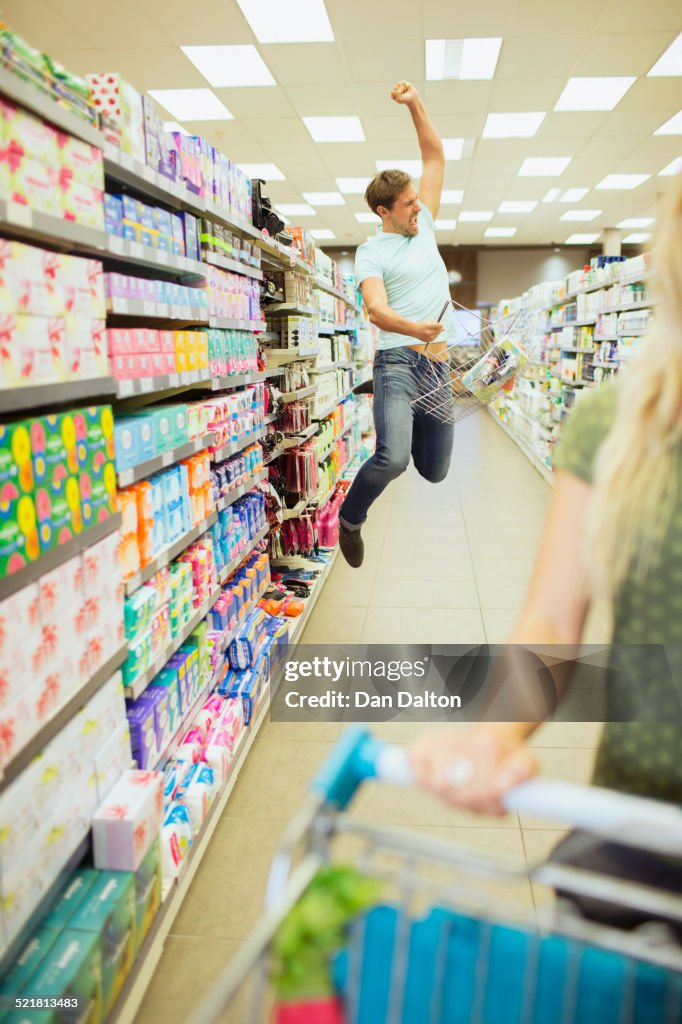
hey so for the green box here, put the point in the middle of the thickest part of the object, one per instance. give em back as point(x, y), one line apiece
point(55, 467)
point(70, 898)
point(28, 962)
point(179, 425)
point(108, 912)
point(147, 892)
point(71, 969)
point(19, 534)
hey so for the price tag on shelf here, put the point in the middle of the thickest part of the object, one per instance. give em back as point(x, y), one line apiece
point(137, 250)
point(125, 477)
point(127, 161)
point(146, 385)
point(126, 388)
point(116, 244)
point(174, 380)
point(150, 308)
point(167, 459)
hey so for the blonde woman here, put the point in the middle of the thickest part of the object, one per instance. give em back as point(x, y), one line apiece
point(613, 532)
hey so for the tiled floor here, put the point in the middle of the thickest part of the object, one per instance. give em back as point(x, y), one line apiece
point(445, 564)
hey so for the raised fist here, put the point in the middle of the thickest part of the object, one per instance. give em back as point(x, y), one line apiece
point(404, 92)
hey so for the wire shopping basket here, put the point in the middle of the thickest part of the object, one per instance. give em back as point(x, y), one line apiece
point(446, 945)
point(467, 377)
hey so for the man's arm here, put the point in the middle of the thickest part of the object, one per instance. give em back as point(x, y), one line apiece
point(383, 317)
point(433, 157)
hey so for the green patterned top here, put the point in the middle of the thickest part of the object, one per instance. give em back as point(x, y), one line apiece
point(645, 682)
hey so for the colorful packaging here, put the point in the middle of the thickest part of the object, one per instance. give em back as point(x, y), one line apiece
point(19, 536)
point(127, 823)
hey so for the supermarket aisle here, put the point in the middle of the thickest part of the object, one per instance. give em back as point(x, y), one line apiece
point(487, 515)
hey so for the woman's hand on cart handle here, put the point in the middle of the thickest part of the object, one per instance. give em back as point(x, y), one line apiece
point(473, 771)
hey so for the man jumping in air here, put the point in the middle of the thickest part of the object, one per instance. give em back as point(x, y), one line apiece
point(404, 286)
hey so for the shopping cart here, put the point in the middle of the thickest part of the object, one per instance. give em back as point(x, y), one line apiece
point(443, 948)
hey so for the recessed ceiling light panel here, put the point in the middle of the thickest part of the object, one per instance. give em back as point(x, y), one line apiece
point(445, 224)
point(674, 167)
point(624, 181)
point(500, 232)
point(671, 127)
point(583, 215)
point(324, 198)
point(192, 104)
point(593, 93)
point(582, 239)
point(267, 172)
point(353, 186)
point(517, 206)
point(669, 63)
point(335, 129)
point(411, 167)
point(451, 196)
point(635, 222)
point(295, 209)
point(544, 166)
point(226, 67)
point(465, 59)
point(637, 237)
point(322, 234)
point(512, 126)
point(293, 21)
point(480, 216)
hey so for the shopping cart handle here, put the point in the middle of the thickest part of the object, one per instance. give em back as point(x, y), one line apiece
point(648, 824)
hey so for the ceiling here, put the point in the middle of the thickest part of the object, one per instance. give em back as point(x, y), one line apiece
point(377, 43)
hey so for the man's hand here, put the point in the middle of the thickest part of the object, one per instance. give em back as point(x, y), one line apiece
point(429, 330)
point(404, 92)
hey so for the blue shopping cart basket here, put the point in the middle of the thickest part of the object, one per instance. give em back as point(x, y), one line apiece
point(446, 947)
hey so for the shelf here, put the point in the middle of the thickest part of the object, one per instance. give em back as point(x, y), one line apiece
point(147, 256)
point(269, 336)
point(295, 396)
point(236, 266)
point(220, 454)
point(271, 418)
point(147, 959)
point(33, 99)
point(239, 492)
point(326, 329)
point(237, 380)
point(227, 571)
point(41, 227)
point(636, 332)
point(544, 470)
point(51, 559)
point(286, 355)
point(291, 308)
point(165, 382)
point(126, 477)
point(41, 396)
point(330, 409)
point(140, 685)
point(171, 552)
point(278, 372)
point(325, 286)
point(299, 625)
point(51, 728)
point(604, 337)
point(295, 512)
point(155, 310)
point(566, 348)
point(228, 323)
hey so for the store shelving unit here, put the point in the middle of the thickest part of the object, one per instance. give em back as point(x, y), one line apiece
point(238, 492)
point(227, 571)
point(227, 450)
point(126, 477)
point(39, 396)
point(155, 310)
point(172, 551)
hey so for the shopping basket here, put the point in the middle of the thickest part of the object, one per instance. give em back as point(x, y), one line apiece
point(443, 948)
point(471, 374)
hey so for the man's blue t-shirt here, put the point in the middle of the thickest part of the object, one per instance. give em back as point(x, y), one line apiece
point(414, 276)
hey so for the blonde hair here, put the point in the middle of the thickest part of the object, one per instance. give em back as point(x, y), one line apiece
point(635, 480)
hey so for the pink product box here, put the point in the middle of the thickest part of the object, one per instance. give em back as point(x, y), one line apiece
point(167, 341)
point(60, 589)
point(83, 205)
point(119, 341)
point(31, 350)
point(98, 562)
point(14, 669)
point(27, 134)
point(26, 284)
point(19, 617)
point(112, 761)
point(84, 162)
point(145, 340)
point(84, 354)
point(61, 639)
point(127, 823)
point(124, 367)
point(17, 726)
point(30, 183)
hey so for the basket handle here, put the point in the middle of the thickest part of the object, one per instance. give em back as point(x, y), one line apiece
point(633, 820)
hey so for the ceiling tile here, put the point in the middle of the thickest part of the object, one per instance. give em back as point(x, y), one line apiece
point(634, 16)
point(567, 125)
point(157, 67)
point(354, 19)
point(257, 103)
point(653, 94)
point(539, 18)
point(609, 147)
point(620, 53)
point(306, 64)
point(457, 97)
point(401, 60)
point(44, 26)
point(518, 92)
point(130, 23)
point(633, 122)
point(322, 101)
point(459, 21)
point(539, 56)
point(221, 22)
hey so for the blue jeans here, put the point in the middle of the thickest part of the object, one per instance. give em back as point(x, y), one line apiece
point(402, 430)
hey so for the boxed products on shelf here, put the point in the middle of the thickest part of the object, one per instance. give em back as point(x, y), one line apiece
point(126, 825)
point(296, 333)
point(46, 811)
point(237, 471)
point(231, 352)
point(304, 245)
point(120, 107)
point(48, 171)
point(219, 240)
point(57, 478)
point(236, 526)
point(165, 293)
point(153, 226)
point(146, 352)
point(232, 295)
point(52, 313)
point(233, 417)
point(142, 435)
